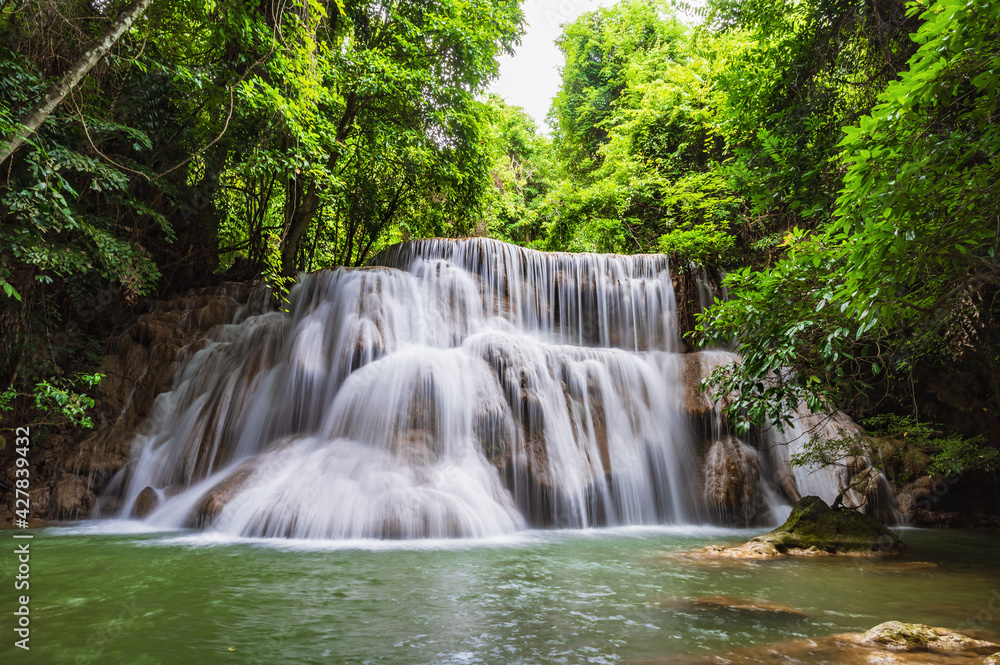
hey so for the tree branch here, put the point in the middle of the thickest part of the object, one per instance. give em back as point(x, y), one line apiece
point(58, 90)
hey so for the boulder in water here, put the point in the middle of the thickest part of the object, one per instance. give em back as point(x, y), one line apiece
point(814, 528)
point(917, 645)
point(145, 503)
point(212, 503)
point(814, 525)
point(899, 636)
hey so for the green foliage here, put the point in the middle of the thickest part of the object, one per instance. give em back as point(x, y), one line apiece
point(702, 243)
point(59, 399)
point(701, 211)
point(521, 170)
point(244, 137)
point(796, 74)
point(599, 47)
point(639, 158)
point(902, 449)
point(913, 448)
point(957, 454)
point(903, 271)
point(918, 206)
point(801, 348)
point(56, 206)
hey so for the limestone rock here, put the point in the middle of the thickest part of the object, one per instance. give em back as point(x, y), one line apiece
point(141, 365)
point(813, 528)
point(918, 499)
point(899, 636)
point(72, 498)
point(145, 503)
point(747, 605)
point(695, 368)
point(212, 503)
point(856, 649)
point(906, 567)
point(813, 524)
point(41, 501)
point(748, 550)
point(731, 481)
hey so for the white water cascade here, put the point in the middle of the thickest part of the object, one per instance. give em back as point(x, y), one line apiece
point(453, 388)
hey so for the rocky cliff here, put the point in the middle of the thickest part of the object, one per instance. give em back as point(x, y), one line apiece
point(69, 466)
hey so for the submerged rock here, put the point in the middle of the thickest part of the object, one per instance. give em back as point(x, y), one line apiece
point(906, 567)
point(762, 607)
point(992, 660)
point(814, 528)
point(748, 550)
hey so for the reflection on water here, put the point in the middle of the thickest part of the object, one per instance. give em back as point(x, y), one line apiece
point(595, 596)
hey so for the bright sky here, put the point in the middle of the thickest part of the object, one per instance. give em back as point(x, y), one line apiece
point(530, 78)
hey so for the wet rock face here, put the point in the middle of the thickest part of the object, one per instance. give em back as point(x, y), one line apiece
point(145, 503)
point(141, 365)
point(696, 367)
point(218, 497)
point(918, 500)
point(732, 478)
point(72, 498)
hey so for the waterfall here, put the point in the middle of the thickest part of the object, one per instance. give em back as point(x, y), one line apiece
point(451, 388)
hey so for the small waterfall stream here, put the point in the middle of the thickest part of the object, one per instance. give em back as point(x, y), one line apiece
point(452, 388)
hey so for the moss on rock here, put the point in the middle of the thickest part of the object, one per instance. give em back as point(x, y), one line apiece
point(815, 527)
point(899, 636)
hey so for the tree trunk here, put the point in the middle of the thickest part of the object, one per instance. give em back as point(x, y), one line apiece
point(58, 90)
point(301, 219)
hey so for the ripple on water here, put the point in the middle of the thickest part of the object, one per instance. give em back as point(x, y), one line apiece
point(537, 597)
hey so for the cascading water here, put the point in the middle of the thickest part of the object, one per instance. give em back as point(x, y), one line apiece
point(854, 480)
point(453, 388)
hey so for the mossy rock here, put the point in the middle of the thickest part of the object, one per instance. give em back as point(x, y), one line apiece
point(816, 527)
point(992, 660)
point(899, 636)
